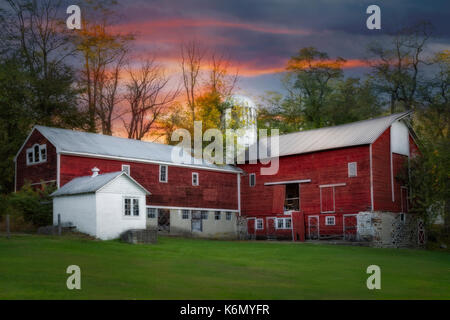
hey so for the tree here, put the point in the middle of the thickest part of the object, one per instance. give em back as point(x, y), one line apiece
point(103, 54)
point(147, 94)
point(313, 73)
point(396, 67)
point(191, 60)
point(33, 32)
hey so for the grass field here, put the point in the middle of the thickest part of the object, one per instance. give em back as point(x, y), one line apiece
point(34, 267)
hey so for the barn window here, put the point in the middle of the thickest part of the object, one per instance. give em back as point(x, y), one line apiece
point(352, 169)
point(162, 173)
point(151, 213)
point(135, 207)
point(126, 168)
point(131, 207)
point(402, 217)
point(37, 154)
point(30, 156)
point(204, 215)
point(252, 179)
point(217, 215)
point(330, 220)
point(259, 224)
point(127, 206)
point(194, 178)
point(228, 215)
point(292, 199)
point(185, 214)
point(327, 199)
point(283, 223)
point(43, 150)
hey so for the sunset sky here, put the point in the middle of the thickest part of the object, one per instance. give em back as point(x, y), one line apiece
point(260, 36)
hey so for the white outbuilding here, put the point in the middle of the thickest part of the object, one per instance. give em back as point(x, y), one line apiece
point(101, 205)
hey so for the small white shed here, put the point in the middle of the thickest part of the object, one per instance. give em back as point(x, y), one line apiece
point(101, 205)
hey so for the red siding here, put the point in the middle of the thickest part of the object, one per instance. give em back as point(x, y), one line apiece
point(326, 167)
point(216, 189)
point(36, 173)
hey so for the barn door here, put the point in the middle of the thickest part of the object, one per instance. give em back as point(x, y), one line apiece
point(349, 226)
point(313, 227)
point(164, 220)
point(251, 227)
point(196, 221)
point(271, 232)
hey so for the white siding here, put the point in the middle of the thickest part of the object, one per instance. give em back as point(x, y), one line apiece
point(122, 185)
point(77, 209)
point(111, 221)
point(400, 138)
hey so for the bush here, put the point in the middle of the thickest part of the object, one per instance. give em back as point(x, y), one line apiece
point(33, 205)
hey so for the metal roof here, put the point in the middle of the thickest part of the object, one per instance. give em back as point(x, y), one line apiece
point(70, 141)
point(346, 135)
point(91, 184)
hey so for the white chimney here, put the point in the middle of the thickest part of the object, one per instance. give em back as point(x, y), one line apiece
point(95, 171)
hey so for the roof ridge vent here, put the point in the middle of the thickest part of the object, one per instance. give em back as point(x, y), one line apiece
point(95, 171)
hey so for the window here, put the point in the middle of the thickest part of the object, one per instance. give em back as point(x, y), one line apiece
point(352, 169)
point(37, 154)
point(283, 223)
point(162, 173)
point(185, 214)
point(402, 217)
point(204, 215)
point(292, 199)
point(330, 220)
point(127, 207)
point(194, 178)
point(228, 216)
point(151, 213)
point(252, 179)
point(259, 224)
point(327, 199)
point(131, 206)
point(126, 168)
point(217, 215)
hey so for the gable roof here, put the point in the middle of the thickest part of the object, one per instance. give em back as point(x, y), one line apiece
point(90, 184)
point(92, 144)
point(345, 135)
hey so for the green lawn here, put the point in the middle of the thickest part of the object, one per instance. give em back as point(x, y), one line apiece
point(33, 267)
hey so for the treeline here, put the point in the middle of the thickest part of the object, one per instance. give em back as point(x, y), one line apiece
point(90, 79)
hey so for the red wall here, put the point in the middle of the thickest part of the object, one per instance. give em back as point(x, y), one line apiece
point(35, 173)
point(216, 189)
point(325, 167)
point(382, 183)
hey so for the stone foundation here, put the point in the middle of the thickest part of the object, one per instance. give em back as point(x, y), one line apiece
point(385, 229)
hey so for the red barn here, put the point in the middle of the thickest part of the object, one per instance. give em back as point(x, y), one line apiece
point(331, 182)
point(185, 197)
point(327, 176)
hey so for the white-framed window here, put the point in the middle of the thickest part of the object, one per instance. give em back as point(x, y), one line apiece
point(195, 181)
point(259, 224)
point(217, 215)
point(283, 223)
point(151, 213)
point(252, 179)
point(352, 169)
point(184, 214)
point(330, 220)
point(163, 173)
point(37, 154)
point(402, 217)
point(228, 216)
point(131, 206)
point(204, 215)
point(126, 168)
